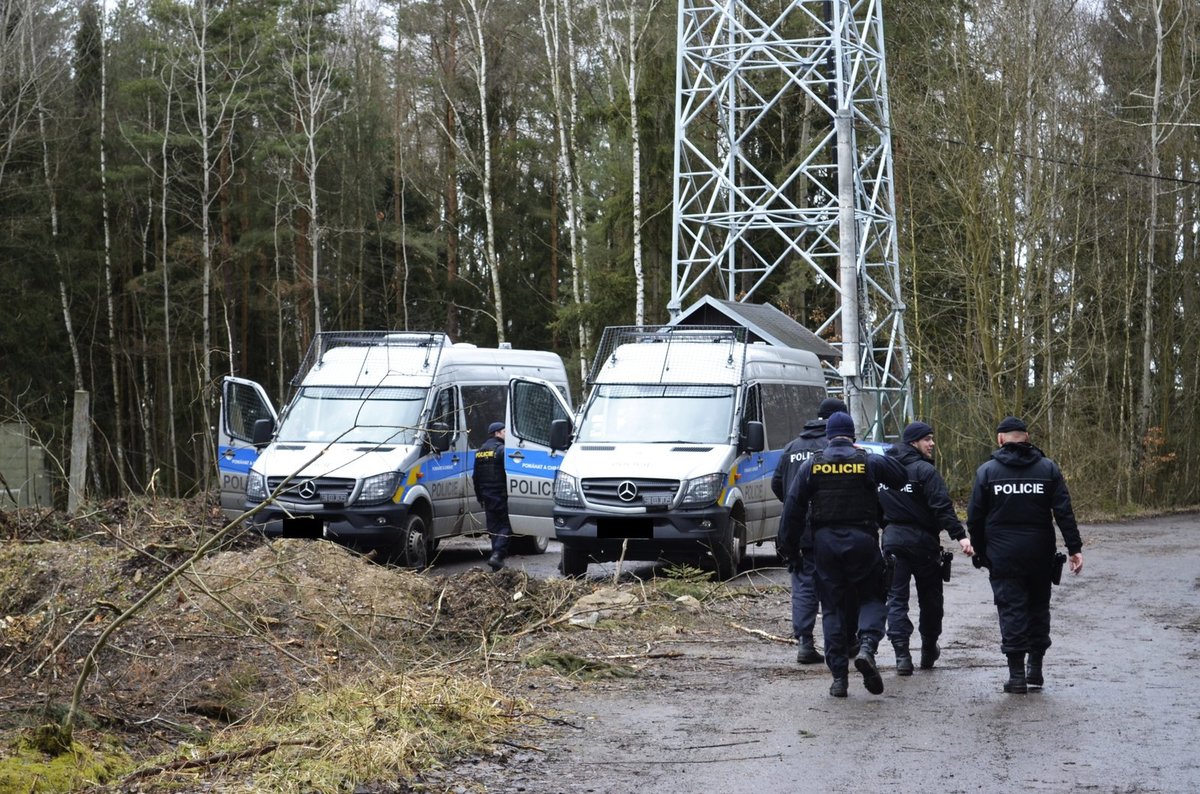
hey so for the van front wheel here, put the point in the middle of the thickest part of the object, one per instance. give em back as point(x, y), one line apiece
point(574, 563)
point(416, 546)
point(730, 549)
point(529, 544)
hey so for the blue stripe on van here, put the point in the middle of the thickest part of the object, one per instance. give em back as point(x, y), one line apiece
point(243, 458)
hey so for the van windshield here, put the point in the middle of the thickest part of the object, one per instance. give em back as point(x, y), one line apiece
point(663, 414)
point(353, 414)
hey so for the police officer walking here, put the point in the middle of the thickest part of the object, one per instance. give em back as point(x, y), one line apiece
point(1018, 497)
point(913, 516)
point(840, 486)
point(804, 592)
point(491, 490)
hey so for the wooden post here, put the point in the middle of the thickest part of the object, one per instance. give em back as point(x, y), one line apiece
point(81, 426)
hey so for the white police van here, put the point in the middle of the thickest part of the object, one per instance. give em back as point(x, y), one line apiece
point(676, 444)
point(376, 447)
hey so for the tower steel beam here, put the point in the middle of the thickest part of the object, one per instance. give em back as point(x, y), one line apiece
point(819, 67)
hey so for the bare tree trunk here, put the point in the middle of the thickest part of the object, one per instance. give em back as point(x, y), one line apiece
point(1143, 414)
point(639, 276)
point(450, 66)
point(164, 227)
point(113, 357)
point(477, 19)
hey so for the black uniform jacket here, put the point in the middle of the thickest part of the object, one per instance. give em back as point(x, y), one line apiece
point(1018, 497)
point(914, 514)
point(880, 470)
point(810, 441)
point(488, 475)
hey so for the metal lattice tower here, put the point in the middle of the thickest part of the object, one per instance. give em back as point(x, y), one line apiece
point(819, 65)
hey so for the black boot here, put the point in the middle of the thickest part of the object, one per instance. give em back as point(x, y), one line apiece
point(807, 653)
point(904, 664)
point(838, 688)
point(930, 653)
point(1016, 684)
point(865, 664)
point(1033, 670)
point(496, 561)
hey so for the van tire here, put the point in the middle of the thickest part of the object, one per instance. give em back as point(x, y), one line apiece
point(528, 545)
point(729, 552)
point(415, 548)
point(574, 562)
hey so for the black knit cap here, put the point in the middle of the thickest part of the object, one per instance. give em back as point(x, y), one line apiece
point(495, 427)
point(829, 406)
point(839, 424)
point(915, 432)
point(1011, 424)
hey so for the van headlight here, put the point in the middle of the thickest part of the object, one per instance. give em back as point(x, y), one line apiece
point(256, 486)
point(701, 491)
point(566, 490)
point(377, 489)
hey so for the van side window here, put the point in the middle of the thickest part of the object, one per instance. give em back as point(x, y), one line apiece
point(533, 408)
point(483, 405)
point(786, 407)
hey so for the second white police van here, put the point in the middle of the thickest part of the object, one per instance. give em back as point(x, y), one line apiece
point(675, 446)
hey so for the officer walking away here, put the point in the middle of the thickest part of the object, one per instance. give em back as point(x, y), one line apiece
point(913, 516)
point(804, 591)
point(837, 490)
point(491, 489)
point(1018, 497)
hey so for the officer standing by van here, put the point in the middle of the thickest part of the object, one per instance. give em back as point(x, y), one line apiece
point(1018, 497)
point(491, 489)
point(840, 485)
point(913, 516)
point(804, 591)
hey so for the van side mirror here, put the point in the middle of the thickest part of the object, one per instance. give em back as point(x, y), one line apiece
point(560, 434)
point(754, 438)
point(439, 437)
point(263, 430)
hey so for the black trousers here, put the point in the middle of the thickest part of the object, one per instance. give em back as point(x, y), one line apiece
point(924, 566)
point(849, 578)
point(495, 509)
point(1023, 604)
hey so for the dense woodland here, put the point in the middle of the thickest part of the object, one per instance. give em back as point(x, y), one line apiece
point(192, 189)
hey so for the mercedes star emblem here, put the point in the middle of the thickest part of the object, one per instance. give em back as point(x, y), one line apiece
point(307, 489)
point(627, 491)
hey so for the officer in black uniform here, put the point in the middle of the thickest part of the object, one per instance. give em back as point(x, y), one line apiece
point(912, 519)
point(491, 489)
point(1019, 496)
point(804, 592)
point(840, 484)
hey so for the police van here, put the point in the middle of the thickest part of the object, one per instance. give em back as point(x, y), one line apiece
point(376, 447)
point(676, 443)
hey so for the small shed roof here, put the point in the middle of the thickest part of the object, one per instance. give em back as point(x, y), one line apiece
point(764, 322)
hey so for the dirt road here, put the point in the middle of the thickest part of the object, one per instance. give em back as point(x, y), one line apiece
point(733, 713)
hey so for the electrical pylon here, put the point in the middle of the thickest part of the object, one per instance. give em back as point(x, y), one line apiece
point(830, 208)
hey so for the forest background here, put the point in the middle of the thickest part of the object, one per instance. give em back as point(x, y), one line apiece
point(190, 190)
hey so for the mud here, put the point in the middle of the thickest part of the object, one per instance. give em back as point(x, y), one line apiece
point(733, 712)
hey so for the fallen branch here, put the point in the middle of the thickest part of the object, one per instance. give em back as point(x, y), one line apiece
point(765, 635)
point(211, 760)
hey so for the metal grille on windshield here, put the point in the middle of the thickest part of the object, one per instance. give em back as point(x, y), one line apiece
point(317, 491)
point(630, 491)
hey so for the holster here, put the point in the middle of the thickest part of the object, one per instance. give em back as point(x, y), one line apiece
point(1056, 568)
point(889, 573)
point(947, 559)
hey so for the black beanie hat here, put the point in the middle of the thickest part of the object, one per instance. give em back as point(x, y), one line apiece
point(915, 432)
point(1011, 424)
point(839, 424)
point(829, 406)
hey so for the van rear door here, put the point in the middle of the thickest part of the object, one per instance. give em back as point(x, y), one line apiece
point(243, 402)
point(532, 405)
